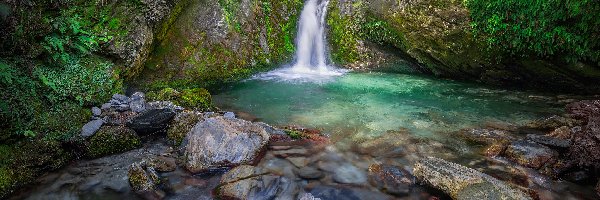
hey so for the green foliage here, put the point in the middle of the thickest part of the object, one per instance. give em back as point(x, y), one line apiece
point(546, 28)
point(343, 38)
point(70, 37)
point(381, 32)
point(86, 81)
point(294, 134)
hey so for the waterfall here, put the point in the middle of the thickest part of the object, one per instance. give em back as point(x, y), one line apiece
point(311, 49)
point(311, 40)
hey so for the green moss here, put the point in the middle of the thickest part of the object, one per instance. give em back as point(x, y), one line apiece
point(181, 125)
point(342, 37)
point(196, 98)
point(111, 140)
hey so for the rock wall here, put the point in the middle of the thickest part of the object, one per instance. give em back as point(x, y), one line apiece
point(212, 42)
point(437, 34)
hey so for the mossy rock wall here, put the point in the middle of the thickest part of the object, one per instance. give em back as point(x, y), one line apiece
point(437, 34)
point(213, 42)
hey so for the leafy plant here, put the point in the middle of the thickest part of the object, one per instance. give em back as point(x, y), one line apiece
point(540, 27)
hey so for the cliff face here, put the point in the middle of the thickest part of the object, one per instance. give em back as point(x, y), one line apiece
point(221, 41)
point(439, 36)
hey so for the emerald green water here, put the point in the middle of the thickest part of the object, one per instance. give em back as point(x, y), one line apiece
point(363, 105)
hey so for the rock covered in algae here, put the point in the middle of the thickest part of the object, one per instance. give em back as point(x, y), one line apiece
point(461, 182)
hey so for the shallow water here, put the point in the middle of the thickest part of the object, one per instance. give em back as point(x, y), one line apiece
point(365, 105)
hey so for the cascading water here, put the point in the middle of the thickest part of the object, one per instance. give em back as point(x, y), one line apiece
point(310, 42)
point(311, 53)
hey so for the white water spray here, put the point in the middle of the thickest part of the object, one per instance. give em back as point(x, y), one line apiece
point(311, 53)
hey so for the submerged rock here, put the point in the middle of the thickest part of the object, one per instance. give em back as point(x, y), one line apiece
point(244, 182)
point(163, 164)
point(552, 123)
point(332, 192)
point(219, 141)
point(144, 181)
point(391, 179)
point(530, 154)
point(152, 121)
point(91, 127)
point(309, 173)
point(485, 135)
point(461, 182)
point(549, 141)
point(348, 173)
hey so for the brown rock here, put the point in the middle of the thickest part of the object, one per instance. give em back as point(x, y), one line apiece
point(530, 154)
point(391, 179)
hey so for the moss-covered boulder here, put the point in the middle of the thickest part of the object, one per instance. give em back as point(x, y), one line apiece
point(23, 163)
point(112, 139)
point(182, 125)
point(195, 98)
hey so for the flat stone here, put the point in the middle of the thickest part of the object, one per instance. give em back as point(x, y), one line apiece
point(485, 135)
point(91, 127)
point(461, 182)
point(391, 179)
point(350, 174)
point(549, 141)
point(297, 161)
point(96, 111)
point(291, 152)
point(349, 193)
point(309, 173)
point(530, 154)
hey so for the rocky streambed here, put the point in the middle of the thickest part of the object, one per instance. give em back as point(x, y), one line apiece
point(164, 151)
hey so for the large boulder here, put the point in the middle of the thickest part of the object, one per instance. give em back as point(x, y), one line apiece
point(219, 141)
point(152, 121)
point(461, 182)
point(530, 154)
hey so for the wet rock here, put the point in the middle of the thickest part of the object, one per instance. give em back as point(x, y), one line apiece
point(486, 136)
point(549, 141)
point(583, 109)
point(112, 139)
point(96, 112)
point(116, 118)
point(552, 123)
point(580, 177)
point(91, 127)
point(163, 164)
point(291, 152)
point(530, 154)
point(461, 182)
point(144, 181)
point(391, 179)
point(218, 141)
point(297, 161)
point(331, 193)
point(563, 132)
point(309, 173)
point(496, 149)
point(243, 182)
point(350, 174)
point(151, 121)
point(307, 196)
point(229, 115)
point(120, 102)
point(164, 105)
point(138, 102)
point(585, 148)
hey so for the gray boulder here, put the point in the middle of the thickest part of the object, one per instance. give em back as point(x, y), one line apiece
point(461, 182)
point(219, 141)
point(138, 102)
point(530, 154)
point(91, 127)
point(152, 121)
